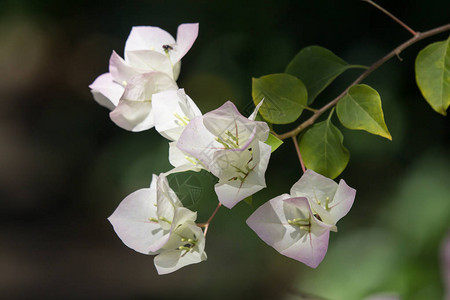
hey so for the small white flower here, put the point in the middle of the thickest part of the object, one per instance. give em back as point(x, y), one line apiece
point(298, 225)
point(331, 201)
point(232, 148)
point(144, 220)
point(185, 246)
point(172, 111)
point(148, 49)
point(290, 227)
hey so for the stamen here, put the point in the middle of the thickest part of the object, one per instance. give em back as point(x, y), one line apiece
point(222, 142)
point(165, 220)
point(191, 160)
point(182, 120)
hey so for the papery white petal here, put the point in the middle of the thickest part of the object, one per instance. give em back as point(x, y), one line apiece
point(172, 258)
point(176, 70)
point(182, 161)
point(120, 70)
point(255, 112)
point(147, 38)
point(230, 192)
point(133, 115)
point(186, 36)
point(134, 111)
point(342, 201)
point(148, 61)
point(270, 222)
point(105, 91)
point(198, 142)
point(172, 111)
point(167, 202)
point(227, 117)
point(320, 189)
point(131, 221)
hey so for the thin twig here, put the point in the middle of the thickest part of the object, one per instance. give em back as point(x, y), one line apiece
point(391, 16)
point(294, 139)
point(419, 36)
point(206, 225)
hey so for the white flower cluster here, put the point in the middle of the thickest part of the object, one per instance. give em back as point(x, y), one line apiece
point(142, 93)
point(153, 221)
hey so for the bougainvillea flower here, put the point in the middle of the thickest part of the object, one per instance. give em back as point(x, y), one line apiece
point(160, 45)
point(148, 49)
point(290, 227)
point(185, 246)
point(134, 110)
point(232, 148)
point(145, 219)
point(329, 200)
point(172, 111)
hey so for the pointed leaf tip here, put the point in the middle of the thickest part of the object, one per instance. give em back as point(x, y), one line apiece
point(361, 109)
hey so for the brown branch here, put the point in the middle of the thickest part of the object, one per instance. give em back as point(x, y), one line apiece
point(206, 225)
point(294, 139)
point(391, 16)
point(419, 36)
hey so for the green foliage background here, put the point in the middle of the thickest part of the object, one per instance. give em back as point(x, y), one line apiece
point(64, 166)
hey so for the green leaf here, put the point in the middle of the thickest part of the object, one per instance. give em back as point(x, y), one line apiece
point(361, 109)
point(433, 75)
point(317, 67)
point(274, 142)
point(322, 149)
point(284, 97)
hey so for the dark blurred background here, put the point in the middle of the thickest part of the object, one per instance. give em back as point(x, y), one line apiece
point(64, 166)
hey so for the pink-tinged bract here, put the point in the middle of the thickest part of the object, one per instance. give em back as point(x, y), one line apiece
point(232, 148)
point(290, 227)
point(330, 200)
point(173, 258)
point(172, 111)
point(134, 111)
point(106, 91)
point(131, 220)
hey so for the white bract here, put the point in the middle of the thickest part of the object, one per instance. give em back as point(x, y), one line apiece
point(232, 148)
point(290, 227)
point(147, 49)
point(134, 110)
point(185, 246)
point(298, 225)
point(331, 201)
point(152, 220)
point(172, 111)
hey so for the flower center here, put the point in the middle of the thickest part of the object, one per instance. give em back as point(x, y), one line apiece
point(188, 246)
point(326, 204)
point(182, 121)
point(230, 141)
point(303, 224)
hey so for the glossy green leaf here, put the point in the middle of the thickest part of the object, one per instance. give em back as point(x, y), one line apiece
point(249, 200)
point(284, 96)
point(361, 109)
point(274, 142)
point(317, 67)
point(322, 149)
point(433, 75)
